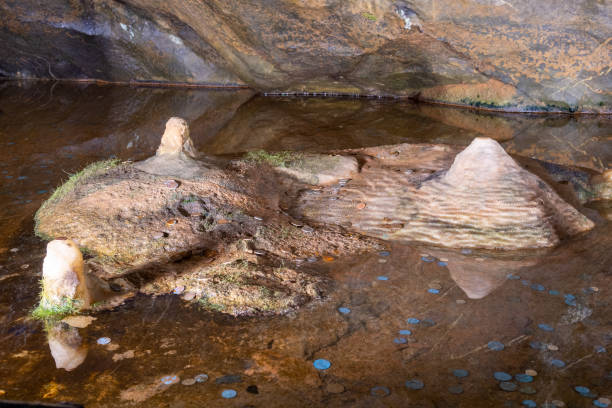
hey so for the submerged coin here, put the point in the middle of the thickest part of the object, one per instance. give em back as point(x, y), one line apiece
point(495, 346)
point(399, 340)
point(455, 389)
point(201, 378)
point(228, 394)
point(415, 384)
point(502, 376)
point(344, 310)
point(545, 327)
point(460, 373)
point(524, 378)
point(382, 278)
point(529, 403)
point(405, 332)
point(412, 320)
point(380, 391)
point(508, 386)
point(321, 364)
point(103, 340)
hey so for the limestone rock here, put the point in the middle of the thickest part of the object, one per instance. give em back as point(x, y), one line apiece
point(64, 275)
point(484, 200)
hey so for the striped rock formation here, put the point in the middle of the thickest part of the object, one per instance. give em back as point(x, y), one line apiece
point(484, 200)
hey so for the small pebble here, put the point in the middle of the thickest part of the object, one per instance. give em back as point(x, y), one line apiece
point(508, 386)
point(545, 327)
point(171, 184)
point(380, 391)
point(415, 384)
point(382, 278)
point(259, 252)
point(158, 235)
point(188, 381)
point(502, 376)
point(552, 347)
point(443, 260)
point(594, 289)
point(600, 349)
point(171, 222)
point(558, 403)
point(460, 373)
point(412, 320)
point(296, 224)
point(189, 295)
point(455, 389)
point(460, 301)
point(382, 261)
point(201, 378)
point(103, 340)
point(531, 372)
point(24, 266)
point(495, 346)
point(14, 250)
point(328, 258)
point(321, 364)
point(344, 310)
point(529, 403)
point(258, 218)
point(307, 229)
point(334, 388)
point(361, 206)
point(228, 394)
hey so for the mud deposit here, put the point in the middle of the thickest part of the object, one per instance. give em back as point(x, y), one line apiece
point(404, 324)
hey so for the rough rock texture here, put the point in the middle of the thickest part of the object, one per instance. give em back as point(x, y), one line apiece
point(502, 54)
point(225, 223)
point(484, 200)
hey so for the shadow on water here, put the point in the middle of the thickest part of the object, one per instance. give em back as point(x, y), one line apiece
point(159, 347)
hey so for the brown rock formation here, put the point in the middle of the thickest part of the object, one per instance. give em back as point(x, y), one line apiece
point(513, 55)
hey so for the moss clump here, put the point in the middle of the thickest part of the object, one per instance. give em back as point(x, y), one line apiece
point(277, 159)
point(69, 185)
point(369, 16)
point(207, 304)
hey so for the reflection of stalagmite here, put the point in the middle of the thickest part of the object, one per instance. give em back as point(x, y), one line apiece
point(66, 346)
point(64, 276)
point(478, 277)
point(484, 200)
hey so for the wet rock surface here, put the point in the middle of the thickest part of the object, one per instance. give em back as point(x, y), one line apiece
point(511, 55)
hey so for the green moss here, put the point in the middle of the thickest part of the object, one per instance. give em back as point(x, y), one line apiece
point(277, 159)
point(69, 185)
point(207, 304)
point(483, 104)
point(369, 16)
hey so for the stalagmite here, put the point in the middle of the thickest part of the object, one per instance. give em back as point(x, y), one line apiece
point(64, 277)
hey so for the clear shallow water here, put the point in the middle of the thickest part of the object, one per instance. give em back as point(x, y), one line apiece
point(47, 131)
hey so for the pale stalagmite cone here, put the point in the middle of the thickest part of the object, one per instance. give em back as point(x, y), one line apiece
point(176, 138)
point(64, 275)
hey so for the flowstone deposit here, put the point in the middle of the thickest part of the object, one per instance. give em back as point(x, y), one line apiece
point(236, 235)
point(484, 200)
